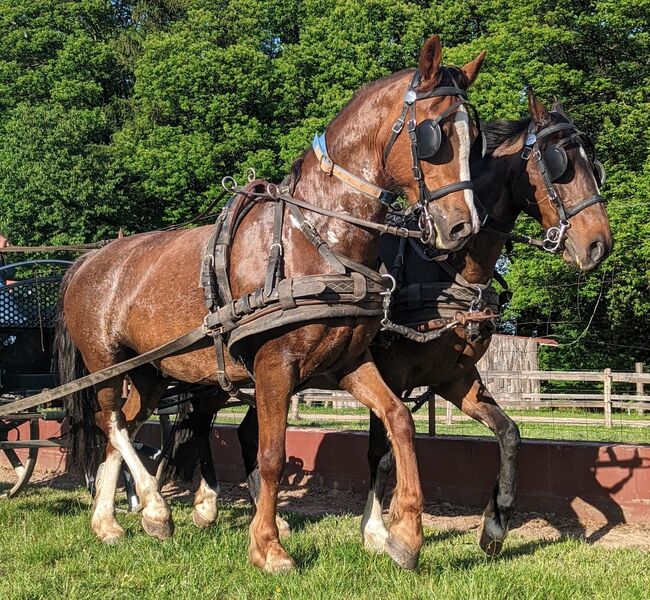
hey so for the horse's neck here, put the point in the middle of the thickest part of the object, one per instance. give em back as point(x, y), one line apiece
point(477, 261)
point(353, 147)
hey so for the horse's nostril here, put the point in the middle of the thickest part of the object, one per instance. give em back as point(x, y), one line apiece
point(596, 251)
point(460, 231)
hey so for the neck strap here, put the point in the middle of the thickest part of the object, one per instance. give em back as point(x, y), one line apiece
point(327, 165)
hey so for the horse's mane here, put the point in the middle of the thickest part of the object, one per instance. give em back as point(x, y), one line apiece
point(502, 131)
point(447, 76)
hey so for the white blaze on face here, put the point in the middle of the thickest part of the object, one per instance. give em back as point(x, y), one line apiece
point(461, 124)
point(583, 154)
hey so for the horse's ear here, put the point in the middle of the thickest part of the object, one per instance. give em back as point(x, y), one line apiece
point(430, 59)
point(557, 106)
point(537, 110)
point(471, 69)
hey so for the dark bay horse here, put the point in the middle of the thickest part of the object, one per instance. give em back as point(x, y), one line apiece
point(507, 184)
point(141, 291)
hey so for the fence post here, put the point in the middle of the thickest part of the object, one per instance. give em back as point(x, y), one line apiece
point(638, 368)
point(450, 417)
point(607, 396)
point(431, 405)
point(295, 403)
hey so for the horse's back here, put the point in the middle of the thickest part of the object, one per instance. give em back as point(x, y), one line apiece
point(138, 291)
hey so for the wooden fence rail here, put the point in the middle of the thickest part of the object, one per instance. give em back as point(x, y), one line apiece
point(520, 400)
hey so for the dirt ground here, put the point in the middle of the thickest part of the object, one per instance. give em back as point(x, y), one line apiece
point(440, 517)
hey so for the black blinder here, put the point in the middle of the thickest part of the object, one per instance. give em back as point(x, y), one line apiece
point(429, 138)
point(599, 173)
point(556, 161)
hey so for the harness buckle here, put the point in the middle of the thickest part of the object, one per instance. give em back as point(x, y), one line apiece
point(398, 126)
point(326, 165)
point(527, 151)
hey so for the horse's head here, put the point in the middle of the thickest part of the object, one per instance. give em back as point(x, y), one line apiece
point(430, 160)
point(564, 178)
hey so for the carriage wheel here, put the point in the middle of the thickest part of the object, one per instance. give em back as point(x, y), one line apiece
point(23, 469)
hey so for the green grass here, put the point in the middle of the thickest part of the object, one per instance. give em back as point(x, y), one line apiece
point(587, 431)
point(47, 550)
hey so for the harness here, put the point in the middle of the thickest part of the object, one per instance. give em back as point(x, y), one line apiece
point(353, 291)
point(423, 312)
point(425, 138)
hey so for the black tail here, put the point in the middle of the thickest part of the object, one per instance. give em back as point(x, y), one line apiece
point(86, 442)
point(185, 451)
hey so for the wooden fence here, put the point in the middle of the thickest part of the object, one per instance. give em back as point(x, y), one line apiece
point(522, 393)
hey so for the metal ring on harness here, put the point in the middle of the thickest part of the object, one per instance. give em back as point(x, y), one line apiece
point(229, 183)
point(251, 175)
point(426, 225)
point(555, 237)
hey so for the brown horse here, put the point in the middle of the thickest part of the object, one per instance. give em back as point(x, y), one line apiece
point(447, 365)
point(141, 291)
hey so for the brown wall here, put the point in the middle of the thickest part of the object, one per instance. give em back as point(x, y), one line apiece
point(602, 482)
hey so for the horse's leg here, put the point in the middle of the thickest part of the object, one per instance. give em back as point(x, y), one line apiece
point(273, 392)
point(381, 460)
point(470, 395)
point(144, 395)
point(248, 432)
point(405, 517)
point(156, 516)
point(206, 496)
point(103, 521)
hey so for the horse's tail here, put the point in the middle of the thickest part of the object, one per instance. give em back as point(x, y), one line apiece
point(85, 440)
point(187, 444)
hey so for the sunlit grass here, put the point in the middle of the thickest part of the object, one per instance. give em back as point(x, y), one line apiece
point(47, 550)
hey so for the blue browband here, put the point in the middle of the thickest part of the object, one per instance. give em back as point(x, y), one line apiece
point(319, 145)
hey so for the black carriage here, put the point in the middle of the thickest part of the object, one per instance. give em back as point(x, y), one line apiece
point(29, 291)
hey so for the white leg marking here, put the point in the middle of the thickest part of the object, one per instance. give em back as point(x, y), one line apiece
point(205, 505)
point(373, 528)
point(154, 508)
point(103, 520)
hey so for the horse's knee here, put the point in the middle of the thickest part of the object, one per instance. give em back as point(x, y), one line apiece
point(400, 422)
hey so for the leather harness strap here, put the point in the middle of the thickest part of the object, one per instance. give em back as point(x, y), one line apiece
point(333, 170)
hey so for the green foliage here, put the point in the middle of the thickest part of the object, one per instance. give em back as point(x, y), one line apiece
point(128, 113)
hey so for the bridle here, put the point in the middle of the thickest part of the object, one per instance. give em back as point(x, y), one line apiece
point(425, 138)
point(552, 163)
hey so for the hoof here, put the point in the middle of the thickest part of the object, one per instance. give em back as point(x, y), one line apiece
point(160, 531)
point(110, 533)
point(490, 542)
point(200, 521)
point(402, 555)
point(276, 561)
point(284, 529)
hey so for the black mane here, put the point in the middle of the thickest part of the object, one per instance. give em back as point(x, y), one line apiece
point(502, 131)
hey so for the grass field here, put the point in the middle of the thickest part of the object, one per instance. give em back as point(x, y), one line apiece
point(589, 427)
point(48, 551)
